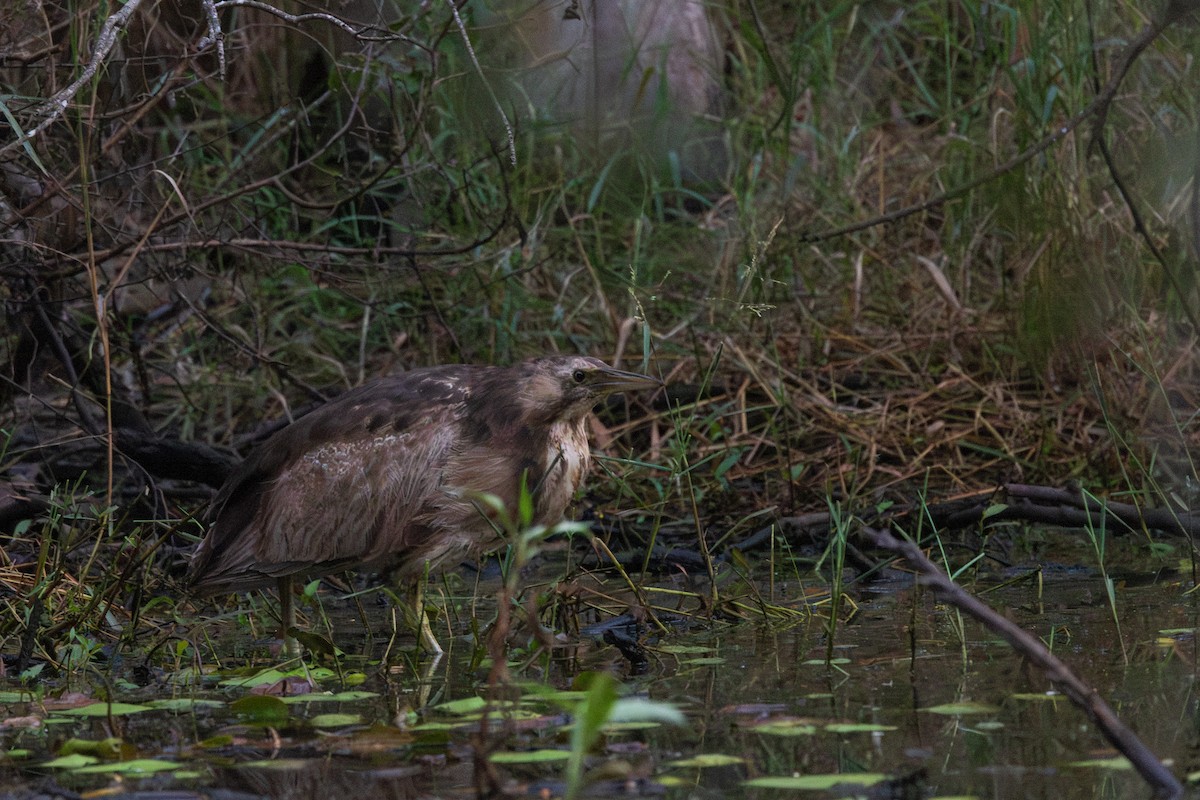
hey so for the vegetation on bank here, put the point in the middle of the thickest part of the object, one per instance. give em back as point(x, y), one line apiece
point(197, 251)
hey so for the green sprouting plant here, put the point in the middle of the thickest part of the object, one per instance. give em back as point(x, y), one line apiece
point(839, 524)
point(1097, 533)
point(601, 705)
point(77, 652)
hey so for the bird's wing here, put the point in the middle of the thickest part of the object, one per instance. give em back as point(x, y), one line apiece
point(310, 497)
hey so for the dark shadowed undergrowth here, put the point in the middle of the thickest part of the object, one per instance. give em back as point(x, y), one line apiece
point(192, 257)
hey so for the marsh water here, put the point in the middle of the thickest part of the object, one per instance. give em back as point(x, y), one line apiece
point(901, 687)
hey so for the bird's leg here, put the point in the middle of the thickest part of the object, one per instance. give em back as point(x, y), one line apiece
point(425, 635)
point(287, 614)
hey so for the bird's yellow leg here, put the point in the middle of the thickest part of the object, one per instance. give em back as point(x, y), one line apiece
point(425, 635)
point(287, 615)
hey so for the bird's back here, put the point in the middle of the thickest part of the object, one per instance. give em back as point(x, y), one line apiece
point(384, 475)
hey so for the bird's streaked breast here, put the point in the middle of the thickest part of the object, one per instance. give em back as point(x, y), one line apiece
point(564, 463)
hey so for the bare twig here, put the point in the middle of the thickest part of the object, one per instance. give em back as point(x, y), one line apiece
point(56, 106)
point(215, 36)
point(363, 33)
point(1086, 698)
point(462, 29)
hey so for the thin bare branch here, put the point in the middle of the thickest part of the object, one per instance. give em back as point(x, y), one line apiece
point(56, 106)
point(462, 29)
point(363, 33)
point(214, 37)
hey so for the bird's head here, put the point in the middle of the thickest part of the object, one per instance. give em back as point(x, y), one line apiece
point(568, 387)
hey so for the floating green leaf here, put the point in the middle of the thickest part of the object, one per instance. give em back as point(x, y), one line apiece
point(815, 782)
point(335, 720)
point(326, 697)
point(622, 727)
point(261, 708)
point(104, 710)
point(141, 766)
point(467, 705)
point(965, 708)
point(857, 727)
point(102, 748)
point(183, 704)
point(219, 740)
point(539, 692)
point(278, 764)
point(73, 761)
point(785, 727)
point(437, 726)
point(704, 760)
point(1116, 762)
point(261, 678)
point(529, 756)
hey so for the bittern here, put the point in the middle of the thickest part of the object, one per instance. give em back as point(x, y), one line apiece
point(388, 476)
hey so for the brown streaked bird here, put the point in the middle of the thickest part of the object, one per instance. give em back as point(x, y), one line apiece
point(386, 475)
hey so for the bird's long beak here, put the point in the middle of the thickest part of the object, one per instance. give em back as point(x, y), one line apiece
point(610, 379)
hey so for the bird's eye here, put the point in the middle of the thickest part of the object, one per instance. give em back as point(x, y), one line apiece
point(579, 376)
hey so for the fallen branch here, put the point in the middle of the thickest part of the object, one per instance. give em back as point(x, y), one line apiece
point(1162, 780)
point(1046, 505)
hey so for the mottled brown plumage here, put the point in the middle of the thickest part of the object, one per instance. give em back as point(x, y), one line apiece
point(387, 475)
